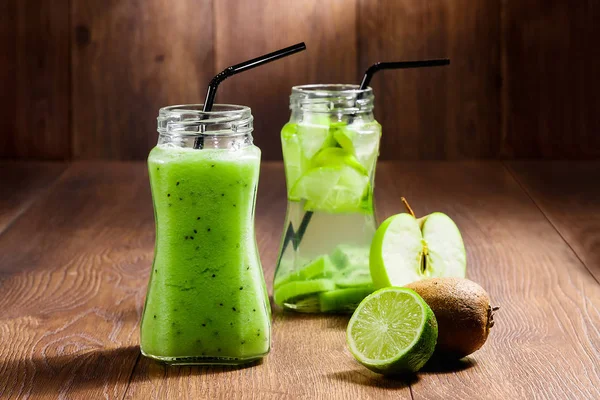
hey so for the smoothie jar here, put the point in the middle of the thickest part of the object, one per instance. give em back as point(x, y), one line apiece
point(207, 302)
point(330, 148)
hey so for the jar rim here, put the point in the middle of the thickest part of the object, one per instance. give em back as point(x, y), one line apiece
point(332, 99)
point(190, 119)
point(329, 89)
point(217, 109)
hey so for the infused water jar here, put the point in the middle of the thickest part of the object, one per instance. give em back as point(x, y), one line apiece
point(330, 148)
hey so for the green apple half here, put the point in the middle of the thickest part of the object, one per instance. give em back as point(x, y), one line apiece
point(405, 249)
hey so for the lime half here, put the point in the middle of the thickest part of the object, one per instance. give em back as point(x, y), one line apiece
point(393, 331)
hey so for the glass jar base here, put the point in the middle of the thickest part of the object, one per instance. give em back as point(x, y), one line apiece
point(205, 360)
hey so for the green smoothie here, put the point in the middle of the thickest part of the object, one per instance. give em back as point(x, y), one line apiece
point(207, 301)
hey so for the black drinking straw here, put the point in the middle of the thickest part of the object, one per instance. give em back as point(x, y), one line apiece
point(296, 237)
point(399, 65)
point(236, 69)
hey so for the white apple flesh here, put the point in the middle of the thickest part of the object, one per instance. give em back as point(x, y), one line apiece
point(405, 250)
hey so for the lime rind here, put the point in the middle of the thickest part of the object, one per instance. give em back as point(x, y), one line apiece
point(392, 331)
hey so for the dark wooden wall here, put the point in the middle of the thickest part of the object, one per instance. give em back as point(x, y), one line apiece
point(85, 78)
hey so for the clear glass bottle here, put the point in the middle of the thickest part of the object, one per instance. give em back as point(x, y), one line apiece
point(330, 148)
point(207, 301)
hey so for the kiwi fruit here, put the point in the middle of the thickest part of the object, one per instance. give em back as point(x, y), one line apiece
point(463, 312)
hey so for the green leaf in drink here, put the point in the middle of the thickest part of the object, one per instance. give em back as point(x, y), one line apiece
point(393, 331)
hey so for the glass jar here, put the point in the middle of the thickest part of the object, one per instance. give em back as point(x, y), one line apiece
point(330, 148)
point(207, 300)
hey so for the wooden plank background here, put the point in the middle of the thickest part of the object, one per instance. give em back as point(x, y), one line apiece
point(84, 80)
point(34, 79)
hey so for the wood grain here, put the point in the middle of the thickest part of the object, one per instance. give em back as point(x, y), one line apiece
point(23, 183)
point(72, 274)
point(247, 29)
point(34, 76)
point(442, 113)
point(74, 268)
point(551, 80)
point(129, 59)
point(545, 343)
point(568, 193)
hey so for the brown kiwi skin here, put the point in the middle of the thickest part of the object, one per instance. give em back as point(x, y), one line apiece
point(463, 312)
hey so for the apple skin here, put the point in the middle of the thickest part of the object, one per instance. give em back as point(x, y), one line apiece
point(396, 252)
point(376, 264)
point(402, 242)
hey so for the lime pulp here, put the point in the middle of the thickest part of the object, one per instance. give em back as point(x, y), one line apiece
point(392, 331)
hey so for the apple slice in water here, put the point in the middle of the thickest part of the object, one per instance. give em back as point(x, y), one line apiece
point(406, 250)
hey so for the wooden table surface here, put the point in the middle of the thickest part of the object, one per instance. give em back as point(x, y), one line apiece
point(76, 244)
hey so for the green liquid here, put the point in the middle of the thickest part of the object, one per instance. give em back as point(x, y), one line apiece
point(207, 301)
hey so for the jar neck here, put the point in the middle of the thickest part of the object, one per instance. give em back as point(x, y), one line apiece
point(205, 142)
point(332, 100)
point(187, 126)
